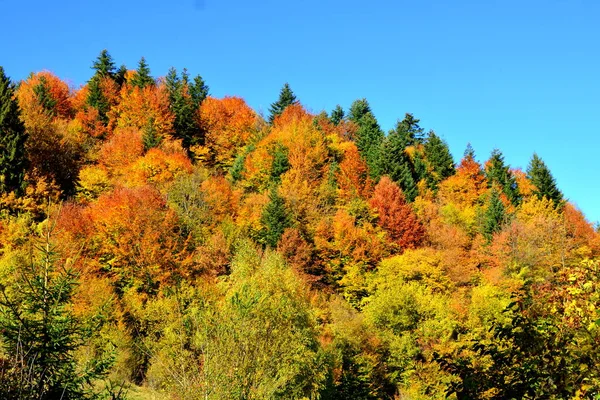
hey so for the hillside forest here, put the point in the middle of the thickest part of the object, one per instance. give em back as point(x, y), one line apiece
point(157, 242)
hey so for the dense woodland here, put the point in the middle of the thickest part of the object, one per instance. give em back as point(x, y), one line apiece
point(157, 242)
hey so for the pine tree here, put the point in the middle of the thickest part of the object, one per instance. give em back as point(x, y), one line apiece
point(120, 75)
point(44, 97)
point(286, 98)
point(369, 137)
point(396, 164)
point(150, 137)
point(13, 161)
point(41, 333)
point(410, 130)
point(497, 173)
point(104, 65)
point(275, 219)
point(142, 78)
point(337, 115)
point(494, 215)
point(441, 163)
point(280, 162)
point(185, 99)
point(545, 184)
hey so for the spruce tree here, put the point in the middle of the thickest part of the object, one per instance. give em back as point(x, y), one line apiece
point(441, 163)
point(185, 99)
point(104, 65)
point(410, 130)
point(395, 163)
point(41, 333)
point(13, 161)
point(105, 68)
point(498, 173)
point(337, 115)
point(369, 137)
point(42, 92)
point(494, 215)
point(544, 182)
point(280, 163)
point(142, 78)
point(275, 219)
point(151, 138)
point(286, 98)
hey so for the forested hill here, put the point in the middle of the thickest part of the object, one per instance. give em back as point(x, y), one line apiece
point(157, 242)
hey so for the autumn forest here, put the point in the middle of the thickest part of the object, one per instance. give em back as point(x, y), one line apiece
point(160, 243)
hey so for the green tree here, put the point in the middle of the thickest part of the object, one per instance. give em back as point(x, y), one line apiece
point(141, 77)
point(185, 99)
point(441, 164)
point(150, 137)
point(280, 163)
point(275, 219)
point(337, 115)
point(13, 161)
point(410, 130)
point(497, 173)
point(104, 65)
point(395, 163)
point(286, 98)
point(105, 68)
point(369, 136)
point(41, 333)
point(544, 182)
point(42, 92)
point(494, 215)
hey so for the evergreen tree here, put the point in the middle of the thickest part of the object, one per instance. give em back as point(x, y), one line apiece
point(185, 98)
point(13, 161)
point(41, 334)
point(142, 78)
point(286, 98)
point(42, 91)
point(440, 160)
point(494, 215)
point(396, 164)
point(369, 137)
point(498, 173)
point(410, 130)
point(151, 138)
point(540, 176)
point(104, 65)
point(120, 75)
point(337, 115)
point(469, 152)
point(275, 219)
point(280, 162)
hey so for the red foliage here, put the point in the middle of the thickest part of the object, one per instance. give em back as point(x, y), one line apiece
point(395, 215)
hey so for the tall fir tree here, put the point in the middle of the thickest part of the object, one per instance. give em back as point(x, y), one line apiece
point(286, 98)
point(42, 92)
point(150, 137)
point(441, 163)
point(141, 77)
point(41, 333)
point(369, 137)
point(275, 219)
point(185, 98)
point(539, 174)
point(395, 163)
point(494, 215)
point(13, 161)
point(337, 115)
point(105, 69)
point(497, 173)
point(410, 130)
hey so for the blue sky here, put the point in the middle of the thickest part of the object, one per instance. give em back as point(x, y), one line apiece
point(519, 75)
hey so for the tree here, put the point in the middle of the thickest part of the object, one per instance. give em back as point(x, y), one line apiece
point(369, 135)
point(104, 65)
point(286, 98)
point(395, 215)
point(275, 219)
point(185, 99)
point(494, 215)
point(540, 176)
point(41, 333)
point(141, 77)
point(441, 164)
point(499, 174)
point(13, 161)
point(410, 130)
point(337, 115)
point(150, 137)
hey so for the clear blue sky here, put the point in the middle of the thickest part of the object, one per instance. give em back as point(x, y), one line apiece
point(519, 75)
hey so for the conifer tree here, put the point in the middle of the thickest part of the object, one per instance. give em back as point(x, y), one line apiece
point(410, 130)
point(497, 173)
point(13, 161)
point(275, 219)
point(151, 138)
point(44, 97)
point(142, 78)
point(41, 334)
point(105, 68)
point(185, 99)
point(439, 158)
point(494, 215)
point(396, 164)
point(104, 65)
point(369, 136)
point(337, 115)
point(545, 184)
point(286, 98)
